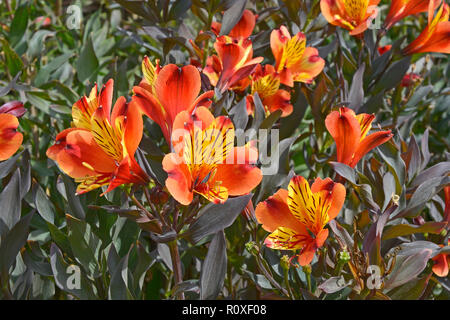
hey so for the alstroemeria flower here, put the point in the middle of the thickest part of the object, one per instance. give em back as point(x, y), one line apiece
point(353, 15)
point(266, 82)
point(297, 217)
point(349, 131)
point(205, 161)
point(10, 139)
point(400, 9)
point(294, 61)
point(234, 62)
point(441, 263)
point(243, 28)
point(436, 35)
point(169, 91)
point(99, 149)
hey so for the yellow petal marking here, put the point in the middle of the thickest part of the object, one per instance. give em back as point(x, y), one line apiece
point(309, 208)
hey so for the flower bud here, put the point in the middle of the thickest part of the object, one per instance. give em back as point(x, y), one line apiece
point(418, 220)
point(158, 195)
point(252, 248)
point(344, 256)
point(285, 262)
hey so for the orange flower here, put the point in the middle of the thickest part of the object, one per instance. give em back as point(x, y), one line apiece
point(10, 139)
point(99, 149)
point(234, 62)
point(353, 15)
point(296, 217)
point(436, 35)
point(402, 8)
point(441, 262)
point(205, 161)
point(349, 131)
point(165, 93)
point(243, 28)
point(293, 60)
point(266, 82)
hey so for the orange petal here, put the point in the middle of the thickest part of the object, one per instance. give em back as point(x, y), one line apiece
point(133, 128)
point(150, 106)
point(245, 26)
point(105, 97)
point(278, 38)
point(81, 149)
point(239, 178)
point(346, 132)
point(274, 213)
point(307, 254)
point(177, 88)
point(286, 239)
point(440, 267)
point(400, 9)
point(279, 101)
point(438, 42)
point(309, 66)
point(204, 100)
point(10, 139)
point(368, 143)
point(335, 190)
point(179, 181)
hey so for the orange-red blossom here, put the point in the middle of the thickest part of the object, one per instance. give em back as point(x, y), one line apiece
point(353, 15)
point(10, 139)
point(349, 131)
point(205, 160)
point(297, 217)
point(266, 82)
point(164, 93)
point(234, 62)
point(294, 61)
point(436, 35)
point(99, 149)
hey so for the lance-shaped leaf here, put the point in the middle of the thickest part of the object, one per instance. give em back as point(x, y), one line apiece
point(118, 287)
point(356, 94)
point(67, 277)
point(216, 217)
point(438, 170)
point(232, 15)
point(408, 268)
point(344, 171)
point(333, 284)
point(12, 242)
point(10, 203)
point(401, 230)
point(239, 115)
point(214, 267)
point(43, 205)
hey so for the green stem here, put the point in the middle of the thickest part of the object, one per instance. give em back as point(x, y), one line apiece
point(288, 285)
point(176, 265)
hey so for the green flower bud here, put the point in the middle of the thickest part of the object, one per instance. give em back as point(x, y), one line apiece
point(344, 256)
point(252, 248)
point(285, 262)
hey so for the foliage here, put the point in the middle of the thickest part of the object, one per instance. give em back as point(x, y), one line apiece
point(125, 242)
